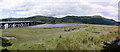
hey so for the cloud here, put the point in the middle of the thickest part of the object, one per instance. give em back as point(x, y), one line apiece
point(58, 8)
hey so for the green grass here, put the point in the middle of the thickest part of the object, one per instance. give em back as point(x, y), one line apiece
point(0, 39)
point(56, 38)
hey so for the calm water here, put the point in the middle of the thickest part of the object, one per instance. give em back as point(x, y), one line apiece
point(52, 25)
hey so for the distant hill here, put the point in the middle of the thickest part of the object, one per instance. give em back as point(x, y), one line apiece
point(70, 19)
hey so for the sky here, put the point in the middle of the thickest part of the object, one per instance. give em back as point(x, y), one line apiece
point(58, 8)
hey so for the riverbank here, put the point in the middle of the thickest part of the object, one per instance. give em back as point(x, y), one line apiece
point(79, 37)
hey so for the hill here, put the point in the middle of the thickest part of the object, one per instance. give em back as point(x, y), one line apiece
point(69, 19)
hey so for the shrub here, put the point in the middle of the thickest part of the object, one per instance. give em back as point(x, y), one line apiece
point(5, 42)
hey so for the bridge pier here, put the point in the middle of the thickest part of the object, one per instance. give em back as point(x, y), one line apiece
point(13, 25)
point(0, 26)
point(10, 25)
point(5, 26)
point(25, 24)
point(17, 25)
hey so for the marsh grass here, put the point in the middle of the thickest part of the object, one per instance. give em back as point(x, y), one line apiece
point(56, 38)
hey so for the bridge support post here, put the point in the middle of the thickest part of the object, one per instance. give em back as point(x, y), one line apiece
point(6, 26)
point(10, 25)
point(13, 25)
point(21, 24)
point(0, 26)
point(3, 26)
point(28, 24)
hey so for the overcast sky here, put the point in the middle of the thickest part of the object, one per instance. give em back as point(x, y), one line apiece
point(58, 8)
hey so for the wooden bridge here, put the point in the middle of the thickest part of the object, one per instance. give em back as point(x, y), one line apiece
point(13, 24)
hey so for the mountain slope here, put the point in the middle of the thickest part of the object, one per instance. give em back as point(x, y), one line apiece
point(70, 19)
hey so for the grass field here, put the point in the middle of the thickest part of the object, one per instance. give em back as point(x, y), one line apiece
point(81, 37)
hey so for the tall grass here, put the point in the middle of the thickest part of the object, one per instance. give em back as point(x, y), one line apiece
point(90, 38)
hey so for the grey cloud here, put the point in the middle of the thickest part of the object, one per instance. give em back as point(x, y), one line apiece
point(58, 7)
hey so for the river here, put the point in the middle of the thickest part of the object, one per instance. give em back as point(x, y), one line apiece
point(53, 25)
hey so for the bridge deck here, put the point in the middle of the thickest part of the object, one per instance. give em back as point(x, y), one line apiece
point(4, 22)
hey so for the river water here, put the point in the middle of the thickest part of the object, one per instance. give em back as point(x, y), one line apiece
point(53, 25)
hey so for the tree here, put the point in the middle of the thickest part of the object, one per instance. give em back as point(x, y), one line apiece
point(53, 22)
point(5, 20)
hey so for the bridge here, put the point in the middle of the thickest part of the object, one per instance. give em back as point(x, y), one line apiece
point(13, 24)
